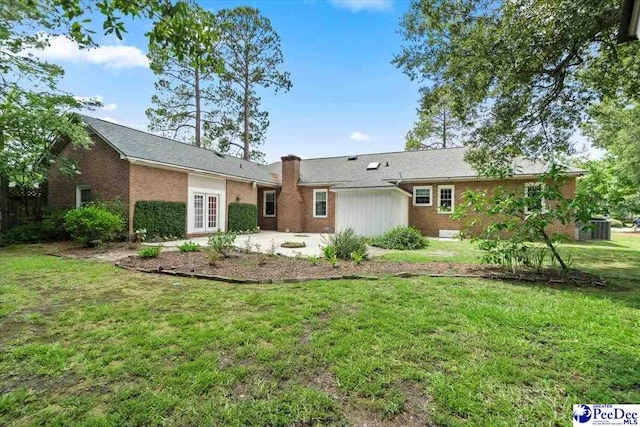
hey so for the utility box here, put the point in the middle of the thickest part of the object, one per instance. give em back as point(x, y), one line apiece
point(598, 229)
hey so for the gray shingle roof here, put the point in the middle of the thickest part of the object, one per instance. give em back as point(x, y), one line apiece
point(369, 182)
point(146, 146)
point(408, 165)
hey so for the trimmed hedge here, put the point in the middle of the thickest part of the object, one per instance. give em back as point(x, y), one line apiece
point(242, 217)
point(160, 218)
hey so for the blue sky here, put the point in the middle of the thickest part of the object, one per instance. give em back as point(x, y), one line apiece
point(346, 98)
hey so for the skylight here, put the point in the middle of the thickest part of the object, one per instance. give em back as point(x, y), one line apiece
point(373, 166)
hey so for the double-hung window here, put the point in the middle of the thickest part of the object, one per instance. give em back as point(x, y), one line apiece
point(320, 203)
point(83, 195)
point(422, 196)
point(269, 204)
point(446, 198)
point(533, 195)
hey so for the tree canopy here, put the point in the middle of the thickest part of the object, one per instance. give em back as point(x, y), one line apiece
point(187, 66)
point(437, 127)
point(252, 60)
point(521, 71)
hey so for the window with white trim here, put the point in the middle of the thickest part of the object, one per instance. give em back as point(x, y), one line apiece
point(533, 194)
point(422, 196)
point(446, 198)
point(83, 195)
point(320, 203)
point(269, 203)
point(198, 211)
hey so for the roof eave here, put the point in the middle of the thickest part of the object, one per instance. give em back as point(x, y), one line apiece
point(154, 163)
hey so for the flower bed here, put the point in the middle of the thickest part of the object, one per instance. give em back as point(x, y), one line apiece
point(260, 268)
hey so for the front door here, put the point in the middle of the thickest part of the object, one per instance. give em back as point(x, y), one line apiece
point(206, 208)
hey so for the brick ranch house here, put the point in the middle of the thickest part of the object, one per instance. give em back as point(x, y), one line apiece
point(370, 193)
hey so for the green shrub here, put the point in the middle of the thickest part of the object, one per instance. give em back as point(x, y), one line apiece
point(150, 252)
point(243, 217)
point(213, 257)
point(345, 243)
point(357, 258)
point(160, 218)
point(115, 206)
point(616, 223)
point(400, 237)
point(50, 229)
point(53, 226)
point(91, 225)
point(30, 232)
point(222, 243)
point(329, 251)
point(189, 247)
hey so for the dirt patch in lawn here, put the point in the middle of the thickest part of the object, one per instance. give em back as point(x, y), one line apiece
point(263, 269)
point(106, 252)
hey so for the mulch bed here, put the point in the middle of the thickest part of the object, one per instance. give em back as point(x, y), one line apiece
point(258, 268)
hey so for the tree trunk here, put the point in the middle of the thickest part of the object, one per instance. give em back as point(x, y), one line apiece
point(444, 130)
point(245, 135)
point(4, 193)
point(553, 250)
point(197, 97)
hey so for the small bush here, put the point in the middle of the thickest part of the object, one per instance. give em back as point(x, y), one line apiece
point(150, 252)
point(243, 218)
point(160, 218)
point(189, 247)
point(213, 257)
point(222, 243)
point(329, 251)
point(357, 258)
point(345, 243)
point(50, 229)
point(91, 225)
point(616, 223)
point(403, 238)
point(313, 260)
point(333, 261)
point(30, 232)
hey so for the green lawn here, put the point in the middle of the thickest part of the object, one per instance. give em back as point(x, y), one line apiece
point(619, 258)
point(84, 343)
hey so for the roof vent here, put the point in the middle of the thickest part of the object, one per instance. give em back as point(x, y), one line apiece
point(386, 164)
point(352, 158)
point(373, 166)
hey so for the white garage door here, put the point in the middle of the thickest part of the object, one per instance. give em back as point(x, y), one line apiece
point(371, 212)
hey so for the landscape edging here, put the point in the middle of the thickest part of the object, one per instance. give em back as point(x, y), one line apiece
point(404, 274)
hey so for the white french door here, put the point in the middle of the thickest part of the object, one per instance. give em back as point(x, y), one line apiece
point(206, 209)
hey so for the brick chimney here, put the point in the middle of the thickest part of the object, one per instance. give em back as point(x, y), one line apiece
point(290, 201)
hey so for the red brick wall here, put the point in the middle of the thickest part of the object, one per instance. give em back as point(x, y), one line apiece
point(148, 183)
point(100, 167)
point(429, 221)
point(289, 217)
point(317, 225)
point(267, 223)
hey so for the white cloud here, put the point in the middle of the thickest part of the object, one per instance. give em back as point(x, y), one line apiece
point(113, 56)
point(111, 119)
point(129, 125)
point(100, 99)
point(360, 5)
point(360, 136)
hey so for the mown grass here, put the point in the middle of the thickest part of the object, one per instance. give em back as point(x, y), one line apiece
point(84, 343)
point(618, 258)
